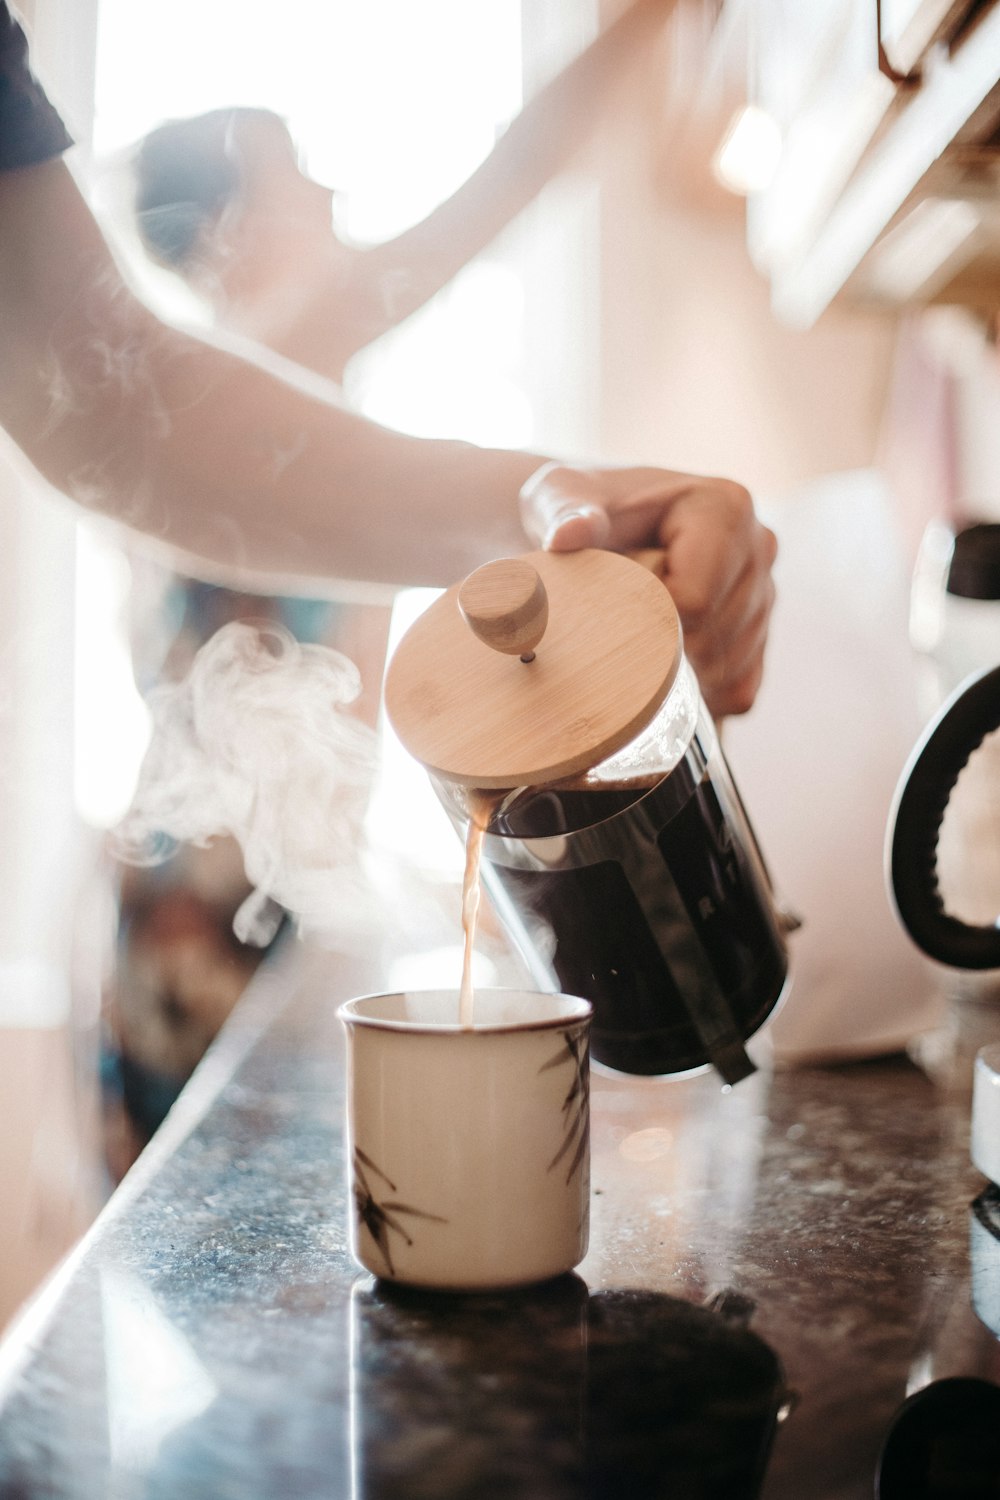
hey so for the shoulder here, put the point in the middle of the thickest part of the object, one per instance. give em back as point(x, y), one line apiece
point(31, 129)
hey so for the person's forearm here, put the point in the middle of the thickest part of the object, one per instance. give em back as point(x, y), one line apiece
point(230, 464)
point(538, 143)
point(206, 451)
point(282, 482)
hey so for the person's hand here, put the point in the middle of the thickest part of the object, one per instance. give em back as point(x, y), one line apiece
point(716, 562)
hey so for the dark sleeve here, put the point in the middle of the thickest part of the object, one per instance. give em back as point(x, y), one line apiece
point(30, 129)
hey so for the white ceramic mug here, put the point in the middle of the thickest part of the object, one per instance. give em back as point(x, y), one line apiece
point(469, 1147)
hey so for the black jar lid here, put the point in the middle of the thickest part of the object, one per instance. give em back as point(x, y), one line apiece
point(974, 572)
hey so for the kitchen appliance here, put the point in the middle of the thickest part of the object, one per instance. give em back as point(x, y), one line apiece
point(955, 628)
point(953, 737)
point(955, 604)
point(943, 1441)
point(964, 727)
point(550, 699)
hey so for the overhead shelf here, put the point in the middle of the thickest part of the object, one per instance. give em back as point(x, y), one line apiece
point(867, 154)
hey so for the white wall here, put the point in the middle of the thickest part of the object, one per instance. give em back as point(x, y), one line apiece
point(47, 1169)
point(697, 374)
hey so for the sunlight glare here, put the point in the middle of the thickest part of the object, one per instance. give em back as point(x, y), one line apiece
point(393, 105)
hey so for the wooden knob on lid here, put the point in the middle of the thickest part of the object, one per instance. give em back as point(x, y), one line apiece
point(505, 604)
point(463, 704)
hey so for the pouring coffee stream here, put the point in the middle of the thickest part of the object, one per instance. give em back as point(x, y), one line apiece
point(506, 606)
point(470, 906)
point(550, 700)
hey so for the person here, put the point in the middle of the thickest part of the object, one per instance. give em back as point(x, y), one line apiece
point(220, 199)
point(240, 468)
point(247, 471)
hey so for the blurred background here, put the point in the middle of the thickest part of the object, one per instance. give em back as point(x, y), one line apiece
point(779, 260)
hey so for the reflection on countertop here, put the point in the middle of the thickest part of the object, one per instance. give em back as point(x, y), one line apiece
point(772, 1271)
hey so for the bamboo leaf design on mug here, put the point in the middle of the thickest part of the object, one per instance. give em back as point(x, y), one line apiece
point(576, 1105)
point(382, 1219)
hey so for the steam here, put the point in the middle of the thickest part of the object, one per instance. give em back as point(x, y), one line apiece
point(255, 742)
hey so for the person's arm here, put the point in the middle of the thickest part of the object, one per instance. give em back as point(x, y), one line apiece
point(391, 280)
point(232, 465)
point(213, 454)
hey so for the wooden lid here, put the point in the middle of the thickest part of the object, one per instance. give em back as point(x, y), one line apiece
point(526, 705)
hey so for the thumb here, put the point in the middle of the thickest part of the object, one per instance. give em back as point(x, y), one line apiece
point(560, 509)
point(581, 526)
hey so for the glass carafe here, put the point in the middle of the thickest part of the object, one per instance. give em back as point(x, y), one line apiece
point(636, 881)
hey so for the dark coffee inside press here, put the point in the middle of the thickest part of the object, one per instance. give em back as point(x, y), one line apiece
point(652, 902)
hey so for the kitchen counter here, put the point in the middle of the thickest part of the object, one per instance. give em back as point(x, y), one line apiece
point(771, 1270)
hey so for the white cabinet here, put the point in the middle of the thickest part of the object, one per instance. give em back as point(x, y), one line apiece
point(888, 187)
point(908, 29)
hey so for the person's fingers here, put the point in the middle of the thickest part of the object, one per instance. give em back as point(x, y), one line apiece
point(722, 597)
point(728, 660)
point(716, 562)
point(709, 533)
point(726, 643)
point(639, 503)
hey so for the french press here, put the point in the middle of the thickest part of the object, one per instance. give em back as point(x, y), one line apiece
point(550, 699)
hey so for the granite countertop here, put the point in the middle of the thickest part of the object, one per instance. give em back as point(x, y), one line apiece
point(771, 1270)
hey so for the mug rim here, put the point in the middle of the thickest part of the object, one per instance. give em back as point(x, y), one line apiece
point(349, 1016)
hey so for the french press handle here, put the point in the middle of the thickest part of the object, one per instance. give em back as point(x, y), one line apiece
point(964, 721)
